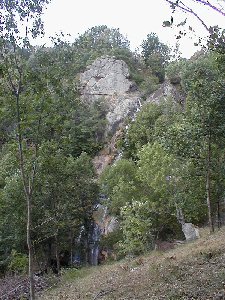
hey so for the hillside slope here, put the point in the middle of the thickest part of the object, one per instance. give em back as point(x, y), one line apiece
point(190, 271)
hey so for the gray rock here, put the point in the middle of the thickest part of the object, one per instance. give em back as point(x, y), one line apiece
point(108, 78)
point(190, 231)
point(167, 90)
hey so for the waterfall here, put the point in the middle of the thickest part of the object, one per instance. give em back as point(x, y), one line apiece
point(94, 245)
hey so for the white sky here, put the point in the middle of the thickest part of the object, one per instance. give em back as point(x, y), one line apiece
point(135, 19)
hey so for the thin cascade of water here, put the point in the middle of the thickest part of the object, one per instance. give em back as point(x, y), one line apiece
point(94, 244)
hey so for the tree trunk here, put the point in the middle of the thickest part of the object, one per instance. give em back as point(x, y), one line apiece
point(28, 189)
point(208, 185)
point(86, 252)
point(57, 252)
point(218, 215)
point(30, 249)
point(71, 248)
point(180, 215)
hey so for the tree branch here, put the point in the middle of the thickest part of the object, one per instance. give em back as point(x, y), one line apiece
point(207, 3)
point(187, 9)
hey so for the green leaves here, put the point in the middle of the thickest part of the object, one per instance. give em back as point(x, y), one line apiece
point(136, 227)
point(155, 166)
point(21, 20)
point(121, 185)
point(156, 55)
point(98, 41)
point(142, 131)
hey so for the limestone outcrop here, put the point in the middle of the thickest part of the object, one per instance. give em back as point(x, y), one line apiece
point(108, 79)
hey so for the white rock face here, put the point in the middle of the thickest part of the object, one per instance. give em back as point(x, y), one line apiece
point(108, 78)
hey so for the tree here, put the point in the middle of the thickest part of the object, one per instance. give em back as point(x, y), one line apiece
point(12, 204)
point(120, 184)
point(84, 129)
point(155, 55)
point(142, 130)
point(98, 41)
point(206, 110)
point(136, 224)
point(65, 197)
point(15, 47)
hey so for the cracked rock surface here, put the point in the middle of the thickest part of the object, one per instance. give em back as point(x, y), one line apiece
point(108, 79)
point(105, 76)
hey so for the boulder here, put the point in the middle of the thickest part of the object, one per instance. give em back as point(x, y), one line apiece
point(190, 231)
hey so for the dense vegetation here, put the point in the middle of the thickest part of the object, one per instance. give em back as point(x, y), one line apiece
point(173, 153)
point(59, 135)
point(172, 159)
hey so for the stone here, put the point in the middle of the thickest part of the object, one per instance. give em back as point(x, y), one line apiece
point(104, 220)
point(190, 231)
point(105, 76)
point(108, 79)
point(168, 90)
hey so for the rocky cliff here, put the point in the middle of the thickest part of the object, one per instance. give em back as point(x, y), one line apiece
point(168, 89)
point(108, 79)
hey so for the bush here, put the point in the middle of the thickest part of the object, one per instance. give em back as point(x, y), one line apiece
point(149, 85)
point(136, 227)
point(174, 71)
point(18, 263)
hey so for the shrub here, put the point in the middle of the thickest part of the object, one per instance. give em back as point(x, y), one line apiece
point(18, 263)
point(136, 227)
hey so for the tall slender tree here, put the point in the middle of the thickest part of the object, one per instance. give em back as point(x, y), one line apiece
point(21, 22)
point(205, 111)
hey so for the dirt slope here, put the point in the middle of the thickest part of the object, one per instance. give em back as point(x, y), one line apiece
point(191, 271)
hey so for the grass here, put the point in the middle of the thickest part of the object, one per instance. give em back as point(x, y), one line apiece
point(191, 271)
point(72, 274)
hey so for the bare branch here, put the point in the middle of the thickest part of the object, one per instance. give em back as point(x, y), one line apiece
point(187, 9)
point(215, 8)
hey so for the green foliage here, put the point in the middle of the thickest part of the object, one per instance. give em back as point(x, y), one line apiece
point(166, 146)
point(159, 173)
point(12, 204)
point(17, 14)
point(136, 227)
point(120, 184)
point(98, 41)
point(155, 167)
point(84, 129)
point(174, 70)
point(156, 55)
point(148, 85)
point(66, 193)
point(18, 262)
point(112, 240)
point(142, 130)
point(197, 135)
